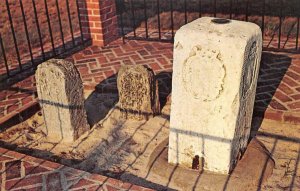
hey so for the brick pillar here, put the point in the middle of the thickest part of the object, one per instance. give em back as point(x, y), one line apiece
point(99, 20)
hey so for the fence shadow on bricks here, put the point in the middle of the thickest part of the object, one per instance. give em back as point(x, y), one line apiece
point(273, 68)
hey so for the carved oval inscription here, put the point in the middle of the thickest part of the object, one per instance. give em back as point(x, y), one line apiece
point(203, 74)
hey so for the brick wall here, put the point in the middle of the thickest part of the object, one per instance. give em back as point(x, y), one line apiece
point(99, 20)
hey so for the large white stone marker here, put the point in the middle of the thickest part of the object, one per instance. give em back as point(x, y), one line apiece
point(60, 93)
point(215, 71)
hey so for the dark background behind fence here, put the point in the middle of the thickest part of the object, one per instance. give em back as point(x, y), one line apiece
point(32, 31)
point(139, 19)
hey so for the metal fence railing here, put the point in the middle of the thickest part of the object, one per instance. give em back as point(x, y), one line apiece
point(33, 31)
point(159, 19)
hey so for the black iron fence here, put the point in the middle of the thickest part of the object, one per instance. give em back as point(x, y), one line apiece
point(32, 31)
point(159, 19)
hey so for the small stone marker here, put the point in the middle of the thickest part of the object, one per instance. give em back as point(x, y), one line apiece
point(215, 71)
point(138, 92)
point(60, 93)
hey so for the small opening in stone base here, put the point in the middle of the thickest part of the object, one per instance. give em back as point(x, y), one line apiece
point(220, 21)
point(196, 162)
point(40, 113)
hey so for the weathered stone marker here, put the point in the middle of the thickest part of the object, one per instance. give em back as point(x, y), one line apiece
point(60, 93)
point(215, 71)
point(138, 92)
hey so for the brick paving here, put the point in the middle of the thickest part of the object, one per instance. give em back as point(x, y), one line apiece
point(278, 92)
point(17, 98)
point(22, 172)
point(95, 64)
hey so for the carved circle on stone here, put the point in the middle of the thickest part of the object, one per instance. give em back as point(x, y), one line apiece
point(203, 74)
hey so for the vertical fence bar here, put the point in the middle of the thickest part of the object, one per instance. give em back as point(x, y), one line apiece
point(247, 10)
point(230, 9)
point(133, 17)
point(26, 32)
point(121, 8)
point(60, 25)
point(172, 20)
point(4, 56)
point(236, 8)
point(146, 18)
point(158, 19)
point(79, 21)
point(185, 12)
point(263, 19)
point(70, 22)
point(14, 35)
point(298, 25)
point(215, 8)
point(38, 29)
point(297, 35)
point(280, 24)
point(49, 26)
point(200, 8)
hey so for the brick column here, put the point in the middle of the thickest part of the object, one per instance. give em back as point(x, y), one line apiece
point(99, 20)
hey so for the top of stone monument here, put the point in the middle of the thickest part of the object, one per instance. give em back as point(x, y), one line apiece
point(60, 65)
point(221, 27)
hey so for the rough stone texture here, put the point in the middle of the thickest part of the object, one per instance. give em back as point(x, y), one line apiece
point(215, 73)
point(60, 93)
point(138, 92)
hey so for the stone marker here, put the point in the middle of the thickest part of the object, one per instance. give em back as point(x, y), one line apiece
point(215, 71)
point(60, 93)
point(138, 92)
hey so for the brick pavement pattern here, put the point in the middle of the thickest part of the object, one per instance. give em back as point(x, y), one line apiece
point(278, 92)
point(22, 172)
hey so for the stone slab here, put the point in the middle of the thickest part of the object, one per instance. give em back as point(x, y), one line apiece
point(138, 92)
point(60, 93)
point(215, 71)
